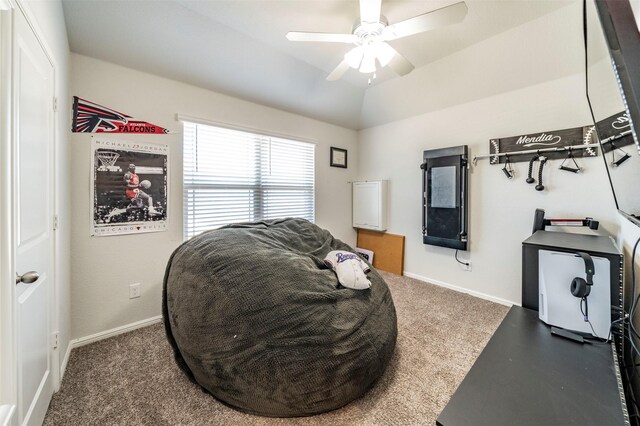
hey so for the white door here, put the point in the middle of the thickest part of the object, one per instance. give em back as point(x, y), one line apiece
point(33, 214)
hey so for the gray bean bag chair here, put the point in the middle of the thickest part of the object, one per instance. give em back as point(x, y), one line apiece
point(256, 318)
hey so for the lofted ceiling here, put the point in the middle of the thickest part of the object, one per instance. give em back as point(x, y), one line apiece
point(239, 47)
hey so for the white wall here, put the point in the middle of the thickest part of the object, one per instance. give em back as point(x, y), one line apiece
point(49, 20)
point(104, 267)
point(500, 210)
point(635, 6)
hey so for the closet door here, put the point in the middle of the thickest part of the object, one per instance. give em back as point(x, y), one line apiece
point(33, 183)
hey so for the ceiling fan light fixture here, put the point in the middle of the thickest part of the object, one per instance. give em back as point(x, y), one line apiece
point(383, 52)
point(354, 57)
point(371, 32)
point(368, 64)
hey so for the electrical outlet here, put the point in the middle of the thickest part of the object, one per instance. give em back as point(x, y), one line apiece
point(134, 290)
point(467, 267)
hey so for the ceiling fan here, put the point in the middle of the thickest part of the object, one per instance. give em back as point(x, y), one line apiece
point(372, 32)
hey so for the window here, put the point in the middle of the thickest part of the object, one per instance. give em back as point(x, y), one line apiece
point(235, 176)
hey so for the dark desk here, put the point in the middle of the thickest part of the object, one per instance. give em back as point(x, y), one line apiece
point(526, 376)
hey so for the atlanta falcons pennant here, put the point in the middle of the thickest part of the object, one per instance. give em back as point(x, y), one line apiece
point(89, 117)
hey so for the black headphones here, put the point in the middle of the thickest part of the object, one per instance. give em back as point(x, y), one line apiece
point(579, 286)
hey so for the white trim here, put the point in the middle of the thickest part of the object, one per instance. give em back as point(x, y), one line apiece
point(114, 332)
point(65, 361)
point(7, 415)
point(37, 31)
point(459, 289)
point(76, 343)
point(182, 117)
point(38, 410)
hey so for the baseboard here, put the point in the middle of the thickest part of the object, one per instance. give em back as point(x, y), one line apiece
point(461, 289)
point(65, 360)
point(114, 332)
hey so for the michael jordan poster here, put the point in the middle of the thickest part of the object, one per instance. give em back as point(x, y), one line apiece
point(129, 188)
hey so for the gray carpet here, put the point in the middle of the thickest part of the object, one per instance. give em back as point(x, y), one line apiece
point(132, 379)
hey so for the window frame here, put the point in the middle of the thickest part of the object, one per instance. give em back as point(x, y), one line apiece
point(259, 188)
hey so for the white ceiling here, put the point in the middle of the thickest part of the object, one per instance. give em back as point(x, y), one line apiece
point(239, 47)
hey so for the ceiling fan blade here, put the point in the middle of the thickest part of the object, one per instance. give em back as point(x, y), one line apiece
point(333, 38)
point(400, 64)
point(338, 71)
point(447, 15)
point(370, 10)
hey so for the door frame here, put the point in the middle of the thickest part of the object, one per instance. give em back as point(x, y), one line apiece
point(8, 315)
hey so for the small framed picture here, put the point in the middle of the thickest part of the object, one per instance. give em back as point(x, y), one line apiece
point(338, 157)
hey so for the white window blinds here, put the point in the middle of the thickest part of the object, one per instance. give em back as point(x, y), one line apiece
point(235, 176)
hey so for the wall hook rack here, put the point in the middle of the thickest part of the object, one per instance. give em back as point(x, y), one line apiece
point(610, 139)
point(535, 151)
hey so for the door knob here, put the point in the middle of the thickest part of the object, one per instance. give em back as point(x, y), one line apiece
point(27, 277)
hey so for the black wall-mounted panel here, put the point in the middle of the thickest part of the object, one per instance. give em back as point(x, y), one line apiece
point(444, 197)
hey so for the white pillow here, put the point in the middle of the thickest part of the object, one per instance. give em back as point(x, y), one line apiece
point(349, 268)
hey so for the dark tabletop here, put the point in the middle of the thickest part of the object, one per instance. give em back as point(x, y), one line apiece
point(526, 376)
point(578, 242)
